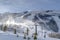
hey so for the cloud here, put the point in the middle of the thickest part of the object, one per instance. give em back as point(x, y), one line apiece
point(21, 5)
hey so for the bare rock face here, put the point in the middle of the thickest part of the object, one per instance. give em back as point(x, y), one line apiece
point(51, 22)
point(54, 35)
point(53, 26)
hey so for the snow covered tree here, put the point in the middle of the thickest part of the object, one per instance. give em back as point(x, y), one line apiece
point(54, 35)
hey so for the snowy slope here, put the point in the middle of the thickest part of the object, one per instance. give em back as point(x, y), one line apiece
point(8, 36)
point(46, 21)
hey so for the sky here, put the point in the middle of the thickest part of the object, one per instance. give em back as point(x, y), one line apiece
point(24, 5)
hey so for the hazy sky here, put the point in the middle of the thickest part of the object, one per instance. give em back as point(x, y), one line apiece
point(23, 5)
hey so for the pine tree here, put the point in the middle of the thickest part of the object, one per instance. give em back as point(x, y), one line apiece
point(28, 38)
point(5, 28)
point(14, 31)
point(35, 36)
point(35, 29)
point(27, 31)
point(44, 34)
point(24, 35)
point(17, 35)
point(1, 27)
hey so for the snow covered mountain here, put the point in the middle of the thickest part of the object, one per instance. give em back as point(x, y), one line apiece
point(46, 21)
